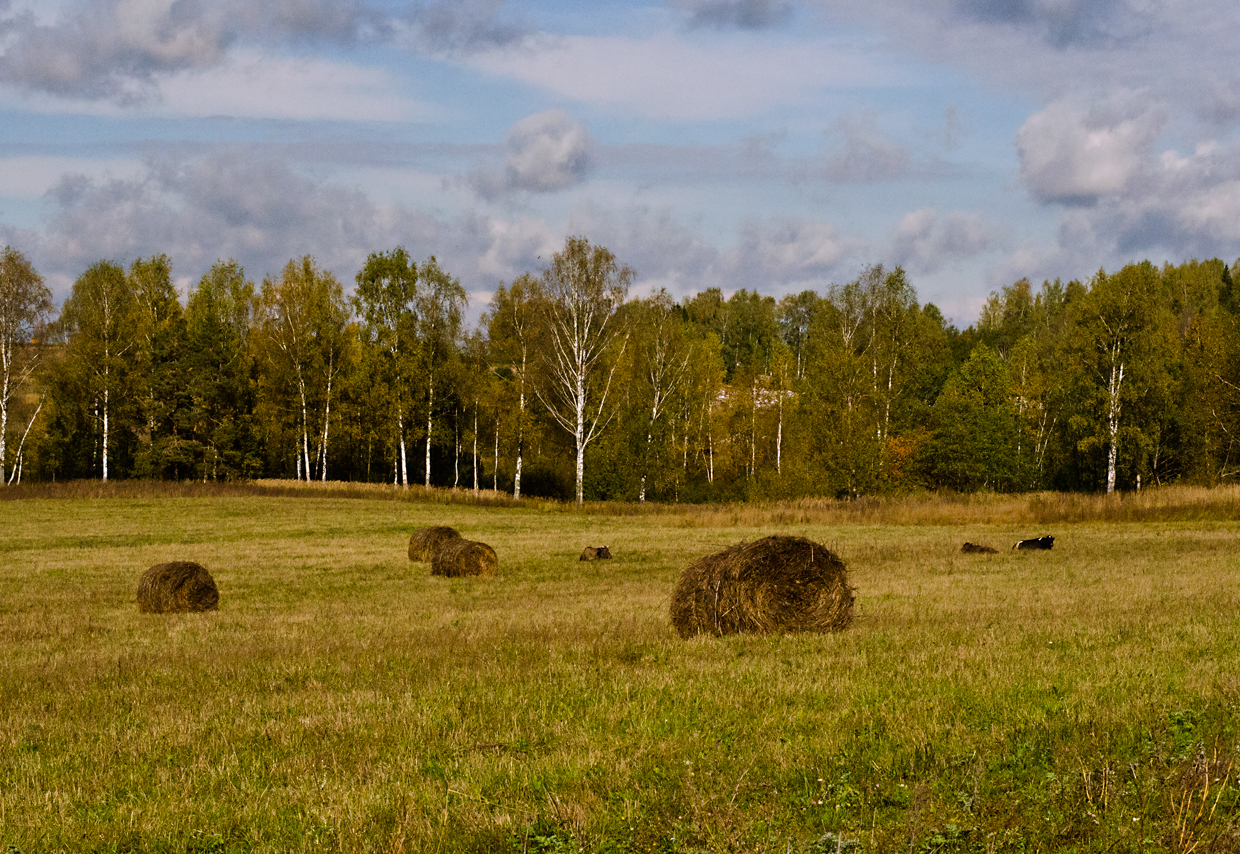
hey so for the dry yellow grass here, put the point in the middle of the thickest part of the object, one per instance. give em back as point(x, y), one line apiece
point(341, 699)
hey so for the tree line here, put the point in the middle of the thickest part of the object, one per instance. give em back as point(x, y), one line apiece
point(571, 389)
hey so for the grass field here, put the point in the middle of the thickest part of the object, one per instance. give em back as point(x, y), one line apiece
point(341, 699)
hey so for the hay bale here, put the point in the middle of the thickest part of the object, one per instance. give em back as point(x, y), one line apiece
point(465, 557)
point(777, 584)
point(425, 542)
point(177, 586)
point(596, 553)
point(977, 549)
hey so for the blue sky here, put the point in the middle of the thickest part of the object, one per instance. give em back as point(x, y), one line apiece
point(774, 145)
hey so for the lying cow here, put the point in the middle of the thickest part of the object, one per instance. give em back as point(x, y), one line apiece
point(592, 553)
point(1039, 543)
point(977, 549)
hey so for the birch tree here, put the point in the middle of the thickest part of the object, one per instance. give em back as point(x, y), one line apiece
point(662, 353)
point(1119, 353)
point(512, 330)
point(585, 288)
point(303, 316)
point(25, 303)
point(99, 319)
point(440, 301)
point(386, 300)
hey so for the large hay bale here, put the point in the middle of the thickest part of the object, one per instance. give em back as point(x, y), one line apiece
point(465, 557)
point(777, 584)
point(425, 542)
point(177, 586)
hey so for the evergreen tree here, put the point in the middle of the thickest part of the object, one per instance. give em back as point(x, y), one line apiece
point(220, 315)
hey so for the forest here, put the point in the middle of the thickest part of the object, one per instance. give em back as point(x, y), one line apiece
point(571, 389)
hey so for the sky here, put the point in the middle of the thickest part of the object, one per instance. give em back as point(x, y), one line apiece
point(774, 145)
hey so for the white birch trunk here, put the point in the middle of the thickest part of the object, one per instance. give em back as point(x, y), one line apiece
point(580, 436)
point(327, 420)
point(105, 429)
point(4, 426)
point(516, 481)
point(4, 404)
point(304, 464)
point(779, 438)
point(17, 458)
point(400, 427)
point(1113, 410)
point(430, 409)
point(475, 447)
point(753, 430)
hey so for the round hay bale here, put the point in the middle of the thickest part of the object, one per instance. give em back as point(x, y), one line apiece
point(774, 585)
point(425, 542)
point(465, 557)
point(177, 586)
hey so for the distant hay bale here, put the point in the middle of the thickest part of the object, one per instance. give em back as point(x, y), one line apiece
point(596, 553)
point(774, 585)
point(425, 542)
point(978, 549)
point(464, 557)
point(177, 586)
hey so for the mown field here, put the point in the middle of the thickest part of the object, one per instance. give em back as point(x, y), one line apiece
point(342, 699)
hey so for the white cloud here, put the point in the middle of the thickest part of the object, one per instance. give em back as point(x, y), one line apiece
point(249, 85)
point(1069, 153)
point(31, 176)
point(866, 154)
point(926, 241)
point(670, 77)
point(545, 152)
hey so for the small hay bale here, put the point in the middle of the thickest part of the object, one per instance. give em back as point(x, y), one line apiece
point(177, 586)
point(465, 557)
point(978, 549)
point(596, 553)
point(425, 542)
point(776, 584)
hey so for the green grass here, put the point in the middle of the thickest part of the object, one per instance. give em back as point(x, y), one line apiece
point(1083, 699)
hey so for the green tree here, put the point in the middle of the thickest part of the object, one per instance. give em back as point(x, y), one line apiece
point(160, 385)
point(100, 325)
point(220, 315)
point(1120, 351)
point(302, 316)
point(387, 300)
point(514, 326)
point(661, 353)
point(440, 301)
point(25, 305)
point(795, 315)
point(974, 436)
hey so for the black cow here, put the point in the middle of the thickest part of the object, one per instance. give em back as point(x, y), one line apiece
point(592, 553)
point(1043, 543)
